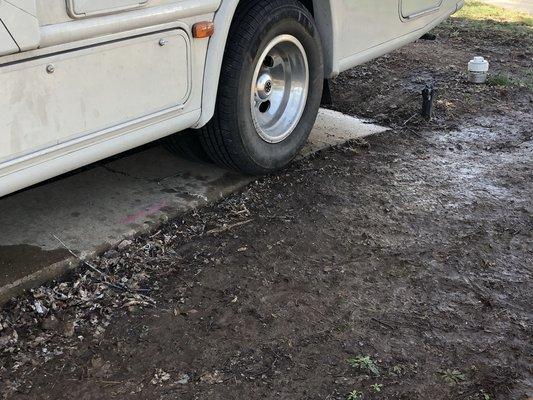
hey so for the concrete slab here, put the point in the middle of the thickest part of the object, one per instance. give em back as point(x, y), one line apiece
point(100, 206)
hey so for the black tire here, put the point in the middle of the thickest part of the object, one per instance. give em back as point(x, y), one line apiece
point(230, 138)
point(187, 145)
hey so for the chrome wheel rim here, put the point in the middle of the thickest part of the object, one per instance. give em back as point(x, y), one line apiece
point(280, 87)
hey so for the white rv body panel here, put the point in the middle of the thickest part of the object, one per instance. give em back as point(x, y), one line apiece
point(82, 80)
point(7, 44)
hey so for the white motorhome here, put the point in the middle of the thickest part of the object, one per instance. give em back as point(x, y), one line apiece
point(81, 80)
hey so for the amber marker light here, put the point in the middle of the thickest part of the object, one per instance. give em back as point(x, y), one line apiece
point(203, 30)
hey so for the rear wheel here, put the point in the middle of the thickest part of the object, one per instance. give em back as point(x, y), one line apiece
point(187, 145)
point(270, 88)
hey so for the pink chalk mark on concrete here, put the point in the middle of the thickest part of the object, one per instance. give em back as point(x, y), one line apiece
point(153, 209)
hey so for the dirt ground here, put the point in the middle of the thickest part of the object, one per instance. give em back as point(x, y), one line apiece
point(394, 268)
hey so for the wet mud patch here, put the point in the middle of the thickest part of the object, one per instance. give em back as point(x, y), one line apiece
point(399, 267)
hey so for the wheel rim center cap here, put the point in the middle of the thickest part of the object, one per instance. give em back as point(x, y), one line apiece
point(264, 86)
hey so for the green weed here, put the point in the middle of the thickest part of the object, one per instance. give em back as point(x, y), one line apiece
point(355, 395)
point(376, 387)
point(364, 363)
point(453, 377)
point(507, 81)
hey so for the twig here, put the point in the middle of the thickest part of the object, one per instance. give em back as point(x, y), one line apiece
point(409, 119)
point(413, 132)
point(155, 234)
point(382, 323)
point(79, 258)
point(228, 227)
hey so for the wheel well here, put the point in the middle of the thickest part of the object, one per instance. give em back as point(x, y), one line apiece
point(306, 3)
point(321, 11)
point(309, 5)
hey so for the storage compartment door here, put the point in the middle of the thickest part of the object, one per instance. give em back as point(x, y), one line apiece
point(80, 8)
point(412, 8)
point(48, 101)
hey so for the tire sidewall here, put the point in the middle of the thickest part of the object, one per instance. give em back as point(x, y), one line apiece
point(287, 20)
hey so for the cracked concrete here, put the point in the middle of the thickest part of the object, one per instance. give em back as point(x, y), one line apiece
point(100, 206)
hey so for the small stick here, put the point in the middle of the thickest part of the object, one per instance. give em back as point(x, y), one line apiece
point(382, 323)
point(409, 119)
point(79, 258)
point(228, 227)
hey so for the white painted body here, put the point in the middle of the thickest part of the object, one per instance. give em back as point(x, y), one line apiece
point(81, 80)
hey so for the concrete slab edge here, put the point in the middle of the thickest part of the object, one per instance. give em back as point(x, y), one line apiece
point(61, 268)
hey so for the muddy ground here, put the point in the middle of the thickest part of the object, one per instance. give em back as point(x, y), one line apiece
point(396, 268)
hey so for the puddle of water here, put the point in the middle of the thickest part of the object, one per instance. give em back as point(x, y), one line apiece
point(21, 260)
